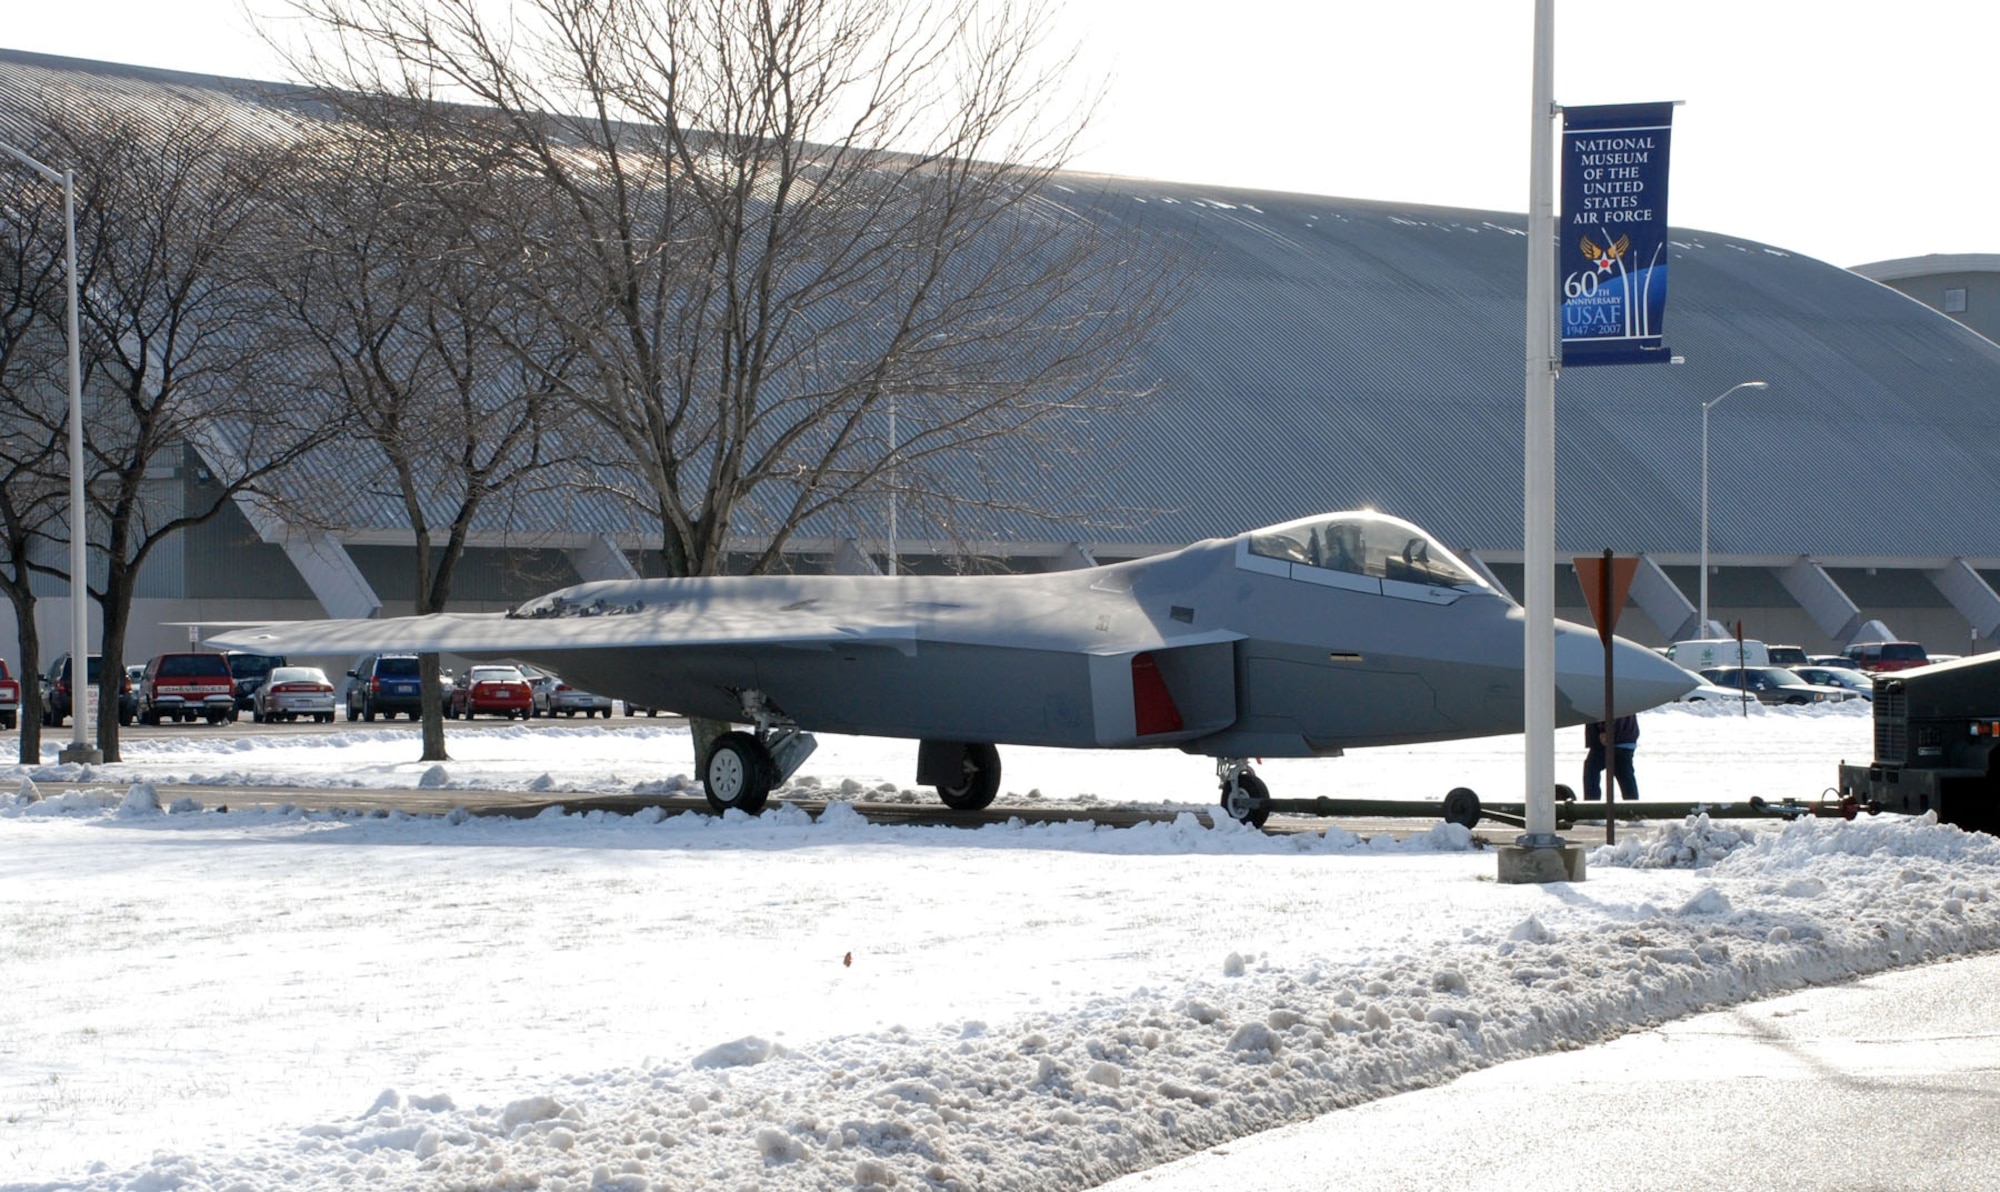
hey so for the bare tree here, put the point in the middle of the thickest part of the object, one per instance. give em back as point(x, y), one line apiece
point(33, 468)
point(413, 335)
point(777, 230)
point(174, 328)
point(770, 225)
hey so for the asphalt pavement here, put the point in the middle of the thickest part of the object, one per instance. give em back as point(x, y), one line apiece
point(1886, 1082)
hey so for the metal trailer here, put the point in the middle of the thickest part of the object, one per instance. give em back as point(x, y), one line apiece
point(1937, 744)
point(1463, 806)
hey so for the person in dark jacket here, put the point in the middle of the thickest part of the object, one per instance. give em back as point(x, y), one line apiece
point(1625, 743)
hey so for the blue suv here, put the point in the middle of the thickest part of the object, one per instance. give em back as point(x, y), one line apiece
point(385, 684)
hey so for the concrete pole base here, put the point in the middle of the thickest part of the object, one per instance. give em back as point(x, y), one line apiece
point(1521, 865)
point(82, 755)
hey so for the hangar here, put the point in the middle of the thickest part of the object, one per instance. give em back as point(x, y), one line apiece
point(1334, 353)
point(1965, 286)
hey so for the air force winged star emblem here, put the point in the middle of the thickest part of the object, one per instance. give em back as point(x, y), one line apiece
point(1606, 256)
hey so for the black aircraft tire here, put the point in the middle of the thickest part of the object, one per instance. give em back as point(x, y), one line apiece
point(1250, 802)
point(738, 772)
point(1461, 807)
point(982, 780)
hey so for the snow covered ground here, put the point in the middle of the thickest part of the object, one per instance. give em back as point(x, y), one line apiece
point(278, 1000)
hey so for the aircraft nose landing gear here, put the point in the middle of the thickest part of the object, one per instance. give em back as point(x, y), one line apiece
point(1244, 795)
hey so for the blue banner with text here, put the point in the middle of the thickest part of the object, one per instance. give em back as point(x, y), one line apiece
point(1611, 250)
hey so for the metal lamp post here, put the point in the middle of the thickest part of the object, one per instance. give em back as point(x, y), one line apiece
point(1538, 535)
point(79, 749)
point(894, 546)
point(1705, 408)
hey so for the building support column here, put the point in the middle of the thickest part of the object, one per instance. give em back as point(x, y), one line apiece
point(1485, 571)
point(601, 558)
point(850, 559)
point(320, 559)
point(1824, 601)
point(1971, 595)
point(1665, 605)
point(1074, 557)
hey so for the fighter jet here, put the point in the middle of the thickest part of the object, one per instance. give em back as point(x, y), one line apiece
point(1301, 640)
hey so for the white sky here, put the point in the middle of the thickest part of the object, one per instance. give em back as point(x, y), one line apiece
point(1845, 131)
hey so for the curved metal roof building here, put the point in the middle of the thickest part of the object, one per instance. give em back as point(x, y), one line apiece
point(1335, 353)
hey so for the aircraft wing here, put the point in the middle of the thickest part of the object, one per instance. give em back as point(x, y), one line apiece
point(704, 624)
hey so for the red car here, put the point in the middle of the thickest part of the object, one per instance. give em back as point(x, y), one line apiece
point(497, 690)
point(1879, 657)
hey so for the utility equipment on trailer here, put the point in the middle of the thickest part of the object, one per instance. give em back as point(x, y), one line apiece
point(1937, 744)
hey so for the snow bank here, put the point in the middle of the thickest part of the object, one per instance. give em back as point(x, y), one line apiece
point(1128, 1083)
point(1693, 844)
point(1124, 1081)
point(597, 1001)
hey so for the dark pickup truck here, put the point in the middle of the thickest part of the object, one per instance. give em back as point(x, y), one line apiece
point(1937, 744)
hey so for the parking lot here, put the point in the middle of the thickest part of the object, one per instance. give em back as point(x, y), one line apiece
point(244, 726)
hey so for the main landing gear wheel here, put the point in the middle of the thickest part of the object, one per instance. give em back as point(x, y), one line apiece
point(981, 782)
point(1246, 799)
point(738, 772)
point(1461, 807)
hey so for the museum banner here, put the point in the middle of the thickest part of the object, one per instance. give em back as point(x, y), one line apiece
point(1611, 248)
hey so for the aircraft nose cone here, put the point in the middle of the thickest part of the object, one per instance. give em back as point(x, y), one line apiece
point(1642, 679)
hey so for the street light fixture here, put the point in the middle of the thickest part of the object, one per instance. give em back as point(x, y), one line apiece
point(79, 749)
point(1705, 408)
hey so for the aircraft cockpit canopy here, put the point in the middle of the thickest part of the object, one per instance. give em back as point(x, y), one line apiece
point(1365, 543)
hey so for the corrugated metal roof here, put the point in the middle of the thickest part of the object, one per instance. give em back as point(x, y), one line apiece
point(1378, 359)
point(1333, 353)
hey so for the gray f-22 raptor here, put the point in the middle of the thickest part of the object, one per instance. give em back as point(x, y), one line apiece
point(1301, 640)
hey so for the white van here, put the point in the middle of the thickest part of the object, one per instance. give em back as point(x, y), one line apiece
point(1703, 653)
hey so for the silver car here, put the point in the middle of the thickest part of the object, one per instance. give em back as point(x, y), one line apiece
point(565, 700)
point(1835, 676)
point(553, 697)
point(290, 692)
point(1774, 685)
